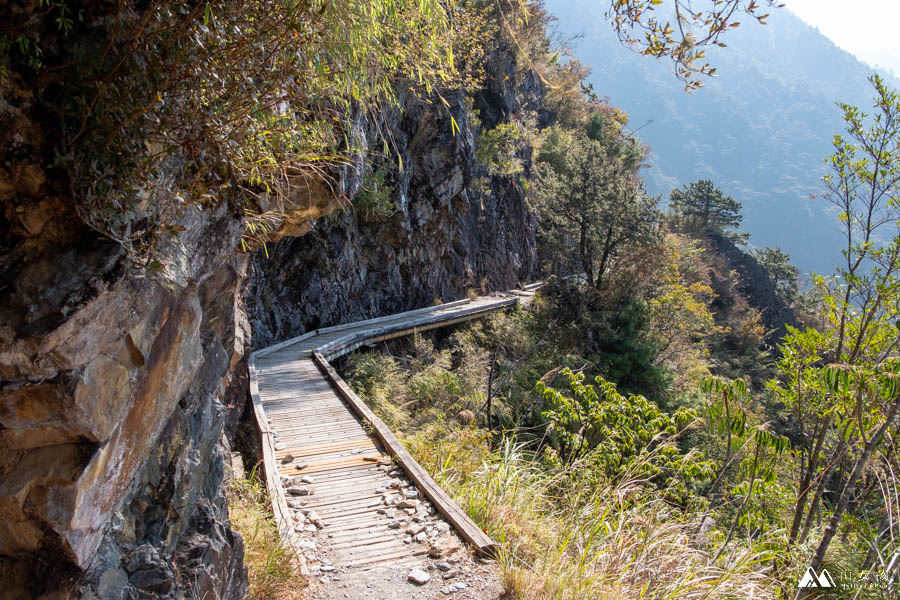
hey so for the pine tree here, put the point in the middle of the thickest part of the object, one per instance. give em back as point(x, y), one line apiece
point(701, 206)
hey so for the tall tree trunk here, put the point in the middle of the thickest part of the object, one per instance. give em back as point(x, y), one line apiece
point(587, 261)
point(820, 489)
point(608, 246)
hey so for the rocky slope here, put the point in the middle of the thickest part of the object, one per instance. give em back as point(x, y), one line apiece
point(116, 382)
point(114, 388)
point(755, 285)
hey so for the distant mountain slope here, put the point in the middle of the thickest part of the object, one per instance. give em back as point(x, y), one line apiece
point(760, 129)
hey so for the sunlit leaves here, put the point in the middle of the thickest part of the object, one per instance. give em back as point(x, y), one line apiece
point(678, 30)
point(621, 436)
point(242, 100)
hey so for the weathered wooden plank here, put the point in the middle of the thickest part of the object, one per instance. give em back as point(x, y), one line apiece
point(463, 524)
point(362, 442)
point(350, 461)
point(388, 557)
point(273, 481)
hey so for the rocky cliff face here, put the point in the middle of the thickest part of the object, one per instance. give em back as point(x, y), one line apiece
point(447, 236)
point(113, 390)
point(116, 382)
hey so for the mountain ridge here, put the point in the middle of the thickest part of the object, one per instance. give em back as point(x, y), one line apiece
point(760, 129)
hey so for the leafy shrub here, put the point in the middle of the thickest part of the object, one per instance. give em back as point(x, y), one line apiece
point(375, 196)
point(616, 437)
point(495, 149)
point(169, 105)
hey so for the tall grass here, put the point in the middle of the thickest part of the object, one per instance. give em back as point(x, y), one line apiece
point(272, 568)
point(559, 540)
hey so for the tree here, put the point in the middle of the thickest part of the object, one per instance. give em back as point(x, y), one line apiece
point(784, 275)
point(702, 206)
point(591, 202)
point(847, 407)
point(682, 35)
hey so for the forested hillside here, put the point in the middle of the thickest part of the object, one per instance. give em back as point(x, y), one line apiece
point(760, 129)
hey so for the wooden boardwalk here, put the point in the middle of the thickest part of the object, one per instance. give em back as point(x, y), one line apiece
point(333, 467)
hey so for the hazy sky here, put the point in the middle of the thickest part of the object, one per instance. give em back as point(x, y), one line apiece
point(869, 29)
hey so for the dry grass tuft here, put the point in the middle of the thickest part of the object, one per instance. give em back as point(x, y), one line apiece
point(271, 564)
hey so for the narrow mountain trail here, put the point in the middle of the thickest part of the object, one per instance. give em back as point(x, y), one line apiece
point(369, 521)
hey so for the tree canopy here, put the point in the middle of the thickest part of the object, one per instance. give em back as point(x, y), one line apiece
point(591, 202)
point(784, 275)
point(702, 206)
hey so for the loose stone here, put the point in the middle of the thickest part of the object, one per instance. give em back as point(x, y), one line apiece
point(288, 458)
point(419, 577)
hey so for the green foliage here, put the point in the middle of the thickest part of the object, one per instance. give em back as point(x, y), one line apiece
point(375, 195)
point(379, 381)
point(783, 274)
point(495, 150)
point(627, 352)
point(591, 204)
point(701, 206)
point(840, 382)
point(618, 436)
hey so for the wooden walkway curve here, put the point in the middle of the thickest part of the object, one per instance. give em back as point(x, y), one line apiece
point(332, 465)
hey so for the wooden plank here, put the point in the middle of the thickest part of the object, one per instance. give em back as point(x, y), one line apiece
point(295, 403)
point(460, 521)
point(350, 461)
point(363, 442)
point(384, 557)
point(273, 480)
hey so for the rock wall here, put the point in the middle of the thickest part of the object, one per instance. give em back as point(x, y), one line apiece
point(447, 236)
point(113, 391)
point(757, 287)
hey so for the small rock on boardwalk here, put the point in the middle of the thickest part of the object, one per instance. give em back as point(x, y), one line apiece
point(419, 577)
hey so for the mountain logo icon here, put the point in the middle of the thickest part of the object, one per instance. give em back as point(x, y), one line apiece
point(811, 580)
